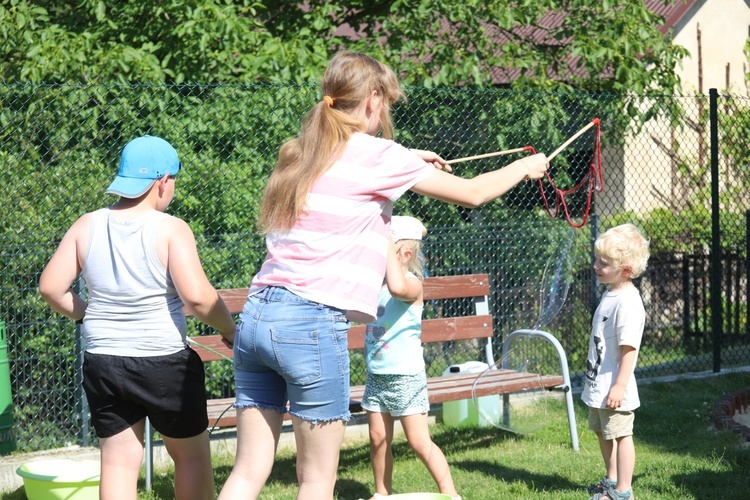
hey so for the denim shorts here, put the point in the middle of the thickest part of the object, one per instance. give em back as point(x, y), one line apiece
point(290, 350)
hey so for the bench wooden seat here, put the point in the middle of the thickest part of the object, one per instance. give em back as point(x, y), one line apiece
point(221, 413)
point(456, 387)
point(476, 326)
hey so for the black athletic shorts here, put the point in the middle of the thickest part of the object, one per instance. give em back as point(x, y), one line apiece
point(169, 390)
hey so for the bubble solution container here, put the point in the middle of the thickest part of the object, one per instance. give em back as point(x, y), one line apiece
point(58, 479)
point(464, 413)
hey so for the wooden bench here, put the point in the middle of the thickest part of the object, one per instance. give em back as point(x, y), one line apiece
point(476, 326)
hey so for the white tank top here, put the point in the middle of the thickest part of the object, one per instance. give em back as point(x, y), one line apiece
point(133, 307)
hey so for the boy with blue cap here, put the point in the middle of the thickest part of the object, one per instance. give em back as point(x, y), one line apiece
point(144, 160)
point(141, 267)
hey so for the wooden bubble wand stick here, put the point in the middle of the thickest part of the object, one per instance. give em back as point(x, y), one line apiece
point(488, 155)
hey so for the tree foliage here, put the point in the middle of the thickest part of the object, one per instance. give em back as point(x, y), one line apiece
point(597, 45)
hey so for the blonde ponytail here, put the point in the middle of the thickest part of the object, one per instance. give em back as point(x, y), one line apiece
point(347, 82)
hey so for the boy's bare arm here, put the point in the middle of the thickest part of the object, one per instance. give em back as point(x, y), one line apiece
point(62, 269)
point(196, 292)
point(627, 364)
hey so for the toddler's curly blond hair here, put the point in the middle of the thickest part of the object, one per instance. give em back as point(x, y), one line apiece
point(624, 246)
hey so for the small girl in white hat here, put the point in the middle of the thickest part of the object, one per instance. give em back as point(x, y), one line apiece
point(396, 380)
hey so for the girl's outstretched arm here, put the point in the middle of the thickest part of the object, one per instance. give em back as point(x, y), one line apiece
point(483, 188)
point(433, 158)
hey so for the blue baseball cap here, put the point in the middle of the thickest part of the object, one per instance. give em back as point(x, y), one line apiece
point(144, 160)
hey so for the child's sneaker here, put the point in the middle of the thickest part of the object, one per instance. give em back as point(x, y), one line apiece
point(612, 494)
point(601, 485)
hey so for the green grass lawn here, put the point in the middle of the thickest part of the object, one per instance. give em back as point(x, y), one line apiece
point(679, 455)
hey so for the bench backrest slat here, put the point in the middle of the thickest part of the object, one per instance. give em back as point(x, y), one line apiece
point(459, 328)
point(437, 330)
point(234, 298)
point(435, 288)
point(213, 343)
point(472, 326)
point(454, 287)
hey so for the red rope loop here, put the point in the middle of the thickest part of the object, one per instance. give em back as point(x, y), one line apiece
point(594, 177)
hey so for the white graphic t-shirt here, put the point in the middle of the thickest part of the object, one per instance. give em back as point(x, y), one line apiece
point(618, 321)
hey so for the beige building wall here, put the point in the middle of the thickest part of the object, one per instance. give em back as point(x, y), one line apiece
point(641, 175)
point(724, 28)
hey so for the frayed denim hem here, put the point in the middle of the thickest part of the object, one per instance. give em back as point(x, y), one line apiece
point(238, 406)
point(315, 421)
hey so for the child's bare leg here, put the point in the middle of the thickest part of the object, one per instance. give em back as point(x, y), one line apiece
point(381, 455)
point(121, 457)
point(193, 472)
point(608, 447)
point(625, 462)
point(416, 428)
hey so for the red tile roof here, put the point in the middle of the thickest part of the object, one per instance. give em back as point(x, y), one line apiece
point(672, 13)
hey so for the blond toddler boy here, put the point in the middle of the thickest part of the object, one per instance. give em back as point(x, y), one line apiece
point(610, 389)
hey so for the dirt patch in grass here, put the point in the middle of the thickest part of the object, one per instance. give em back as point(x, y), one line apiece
point(731, 412)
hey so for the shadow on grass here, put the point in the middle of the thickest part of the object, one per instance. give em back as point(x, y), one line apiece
point(349, 488)
point(447, 439)
point(492, 469)
point(451, 439)
point(19, 494)
point(711, 485)
point(672, 410)
point(284, 473)
point(456, 441)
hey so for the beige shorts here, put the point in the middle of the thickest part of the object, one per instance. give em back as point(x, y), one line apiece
point(612, 424)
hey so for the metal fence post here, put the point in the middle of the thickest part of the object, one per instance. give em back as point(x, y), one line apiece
point(7, 430)
point(82, 407)
point(715, 275)
point(747, 271)
point(687, 298)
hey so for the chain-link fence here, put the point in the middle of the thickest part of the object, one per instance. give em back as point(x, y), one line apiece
point(668, 167)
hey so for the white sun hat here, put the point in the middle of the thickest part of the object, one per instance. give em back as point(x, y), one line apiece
point(406, 228)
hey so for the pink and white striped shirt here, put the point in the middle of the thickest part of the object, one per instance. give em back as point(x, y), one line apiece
point(335, 254)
